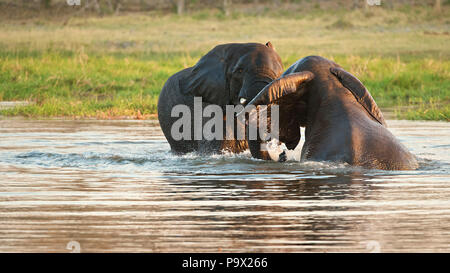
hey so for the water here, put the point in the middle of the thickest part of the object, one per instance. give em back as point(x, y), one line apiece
point(109, 186)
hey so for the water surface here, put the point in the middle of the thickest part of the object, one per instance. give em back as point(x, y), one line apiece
point(109, 186)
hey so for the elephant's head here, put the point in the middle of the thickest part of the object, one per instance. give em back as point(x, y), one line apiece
point(300, 97)
point(286, 92)
point(233, 73)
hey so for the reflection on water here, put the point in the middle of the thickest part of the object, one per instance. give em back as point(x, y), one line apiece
point(114, 186)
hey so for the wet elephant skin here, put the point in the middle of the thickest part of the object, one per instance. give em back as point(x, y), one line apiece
point(343, 122)
point(227, 75)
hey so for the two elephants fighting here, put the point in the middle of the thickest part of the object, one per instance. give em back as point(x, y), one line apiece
point(342, 121)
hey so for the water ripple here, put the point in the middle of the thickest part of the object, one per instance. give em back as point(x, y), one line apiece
point(115, 186)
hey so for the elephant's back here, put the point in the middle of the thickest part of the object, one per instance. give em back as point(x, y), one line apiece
point(323, 82)
point(315, 64)
point(358, 140)
point(376, 147)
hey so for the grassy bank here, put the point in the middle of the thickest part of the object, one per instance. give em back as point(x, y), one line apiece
point(115, 66)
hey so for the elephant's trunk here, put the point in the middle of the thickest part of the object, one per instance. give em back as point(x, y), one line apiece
point(281, 87)
point(256, 151)
point(271, 94)
point(251, 88)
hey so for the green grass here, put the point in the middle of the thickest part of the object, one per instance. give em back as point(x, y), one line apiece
point(79, 85)
point(115, 66)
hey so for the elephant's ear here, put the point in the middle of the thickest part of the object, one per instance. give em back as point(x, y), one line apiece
point(360, 92)
point(270, 45)
point(207, 79)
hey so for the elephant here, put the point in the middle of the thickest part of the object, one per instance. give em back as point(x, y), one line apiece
point(229, 74)
point(341, 119)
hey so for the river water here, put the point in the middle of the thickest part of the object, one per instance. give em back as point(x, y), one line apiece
point(108, 186)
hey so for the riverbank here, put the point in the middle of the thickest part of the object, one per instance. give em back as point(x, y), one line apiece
point(115, 66)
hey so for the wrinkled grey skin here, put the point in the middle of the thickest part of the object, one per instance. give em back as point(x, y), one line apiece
point(343, 122)
point(224, 76)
